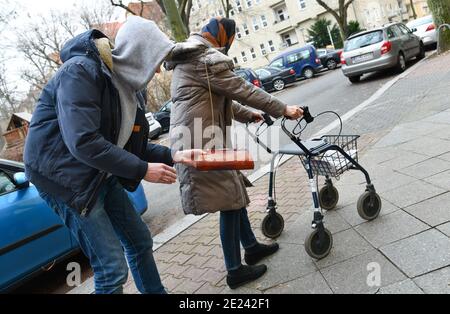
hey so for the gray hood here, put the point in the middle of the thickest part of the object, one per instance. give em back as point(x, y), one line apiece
point(140, 48)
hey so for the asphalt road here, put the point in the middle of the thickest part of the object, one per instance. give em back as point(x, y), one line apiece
point(327, 91)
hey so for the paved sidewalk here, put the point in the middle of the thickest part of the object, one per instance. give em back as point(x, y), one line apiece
point(408, 156)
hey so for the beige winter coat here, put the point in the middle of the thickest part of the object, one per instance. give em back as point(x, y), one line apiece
point(212, 191)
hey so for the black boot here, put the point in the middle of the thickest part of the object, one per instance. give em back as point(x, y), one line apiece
point(259, 251)
point(244, 274)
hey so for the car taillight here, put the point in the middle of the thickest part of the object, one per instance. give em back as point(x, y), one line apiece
point(257, 83)
point(431, 27)
point(292, 71)
point(387, 46)
point(343, 59)
point(317, 60)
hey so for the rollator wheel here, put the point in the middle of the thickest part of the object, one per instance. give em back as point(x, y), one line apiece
point(319, 249)
point(328, 197)
point(366, 209)
point(272, 225)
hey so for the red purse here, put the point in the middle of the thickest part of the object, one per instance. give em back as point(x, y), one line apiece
point(224, 159)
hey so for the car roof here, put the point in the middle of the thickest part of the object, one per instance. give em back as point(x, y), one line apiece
point(371, 30)
point(291, 50)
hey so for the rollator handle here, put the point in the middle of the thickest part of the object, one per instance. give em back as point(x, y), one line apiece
point(307, 115)
point(267, 119)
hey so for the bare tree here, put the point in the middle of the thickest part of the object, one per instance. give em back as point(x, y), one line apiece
point(120, 4)
point(340, 14)
point(95, 15)
point(227, 7)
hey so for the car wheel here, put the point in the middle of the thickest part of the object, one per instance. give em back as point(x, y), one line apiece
point(355, 79)
point(401, 63)
point(308, 73)
point(279, 84)
point(331, 64)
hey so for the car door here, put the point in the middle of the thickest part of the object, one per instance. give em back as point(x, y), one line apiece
point(32, 235)
point(411, 42)
point(295, 60)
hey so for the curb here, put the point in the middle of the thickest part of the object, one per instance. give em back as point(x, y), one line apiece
point(87, 287)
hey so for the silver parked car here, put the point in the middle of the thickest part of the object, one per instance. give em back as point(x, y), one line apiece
point(390, 46)
point(425, 29)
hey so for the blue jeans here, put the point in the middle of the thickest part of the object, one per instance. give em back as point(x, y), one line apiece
point(234, 228)
point(111, 230)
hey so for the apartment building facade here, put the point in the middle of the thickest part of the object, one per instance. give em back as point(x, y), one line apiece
point(266, 28)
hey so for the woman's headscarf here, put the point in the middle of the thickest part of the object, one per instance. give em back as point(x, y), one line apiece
point(220, 32)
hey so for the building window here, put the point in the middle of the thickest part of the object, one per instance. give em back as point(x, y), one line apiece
point(264, 21)
point(249, 3)
point(253, 53)
point(271, 46)
point(245, 27)
point(263, 49)
point(235, 60)
point(255, 23)
point(231, 12)
point(302, 4)
point(257, 1)
point(244, 57)
point(238, 5)
point(238, 33)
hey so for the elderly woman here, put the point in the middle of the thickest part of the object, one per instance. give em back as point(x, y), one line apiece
point(203, 89)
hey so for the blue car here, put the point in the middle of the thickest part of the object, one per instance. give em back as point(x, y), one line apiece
point(304, 61)
point(32, 234)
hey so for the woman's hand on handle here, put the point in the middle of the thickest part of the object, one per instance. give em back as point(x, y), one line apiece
point(293, 112)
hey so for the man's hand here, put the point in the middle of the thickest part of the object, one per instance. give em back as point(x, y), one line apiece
point(188, 157)
point(160, 173)
point(293, 112)
point(256, 117)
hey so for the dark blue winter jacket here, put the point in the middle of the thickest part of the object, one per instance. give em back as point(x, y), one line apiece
point(70, 148)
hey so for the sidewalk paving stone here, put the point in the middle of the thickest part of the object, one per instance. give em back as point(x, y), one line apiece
point(421, 253)
point(426, 168)
point(445, 156)
point(310, 284)
point(346, 244)
point(437, 282)
point(412, 193)
point(389, 228)
point(207, 288)
point(428, 146)
point(403, 287)
point(434, 211)
point(441, 180)
point(445, 228)
point(351, 276)
point(404, 159)
point(290, 262)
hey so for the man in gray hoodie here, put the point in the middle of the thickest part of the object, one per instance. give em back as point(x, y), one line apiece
point(88, 140)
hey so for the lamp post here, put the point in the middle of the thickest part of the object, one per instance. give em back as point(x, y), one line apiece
point(331, 37)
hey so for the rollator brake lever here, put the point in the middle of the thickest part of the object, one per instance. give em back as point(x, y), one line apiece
point(267, 119)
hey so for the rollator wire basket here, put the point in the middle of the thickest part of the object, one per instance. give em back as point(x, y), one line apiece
point(332, 163)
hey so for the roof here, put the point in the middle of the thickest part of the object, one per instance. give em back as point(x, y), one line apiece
point(290, 50)
point(23, 115)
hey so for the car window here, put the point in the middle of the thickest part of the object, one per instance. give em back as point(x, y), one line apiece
point(262, 73)
point(277, 63)
point(404, 29)
point(364, 40)
point(321, 52)
point(295, 57)
point(273, 70)
point(243, 75)
point(396, 30)
point(6, 185)
point(390, 33)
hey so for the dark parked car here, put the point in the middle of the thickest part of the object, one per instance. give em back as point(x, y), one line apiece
point(329, 58)
point(250, 76)
point(163, 116)
point(275, 79)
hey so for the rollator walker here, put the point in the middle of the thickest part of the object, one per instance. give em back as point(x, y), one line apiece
point(329, 156)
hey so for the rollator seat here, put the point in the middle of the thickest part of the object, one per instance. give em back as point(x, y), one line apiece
point(294, 149)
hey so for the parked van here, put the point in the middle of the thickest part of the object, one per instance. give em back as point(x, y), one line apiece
point(304, 61)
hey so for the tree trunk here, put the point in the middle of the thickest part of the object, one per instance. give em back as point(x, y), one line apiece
point(177, 26)
point(413, 9)
point(441, 14)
